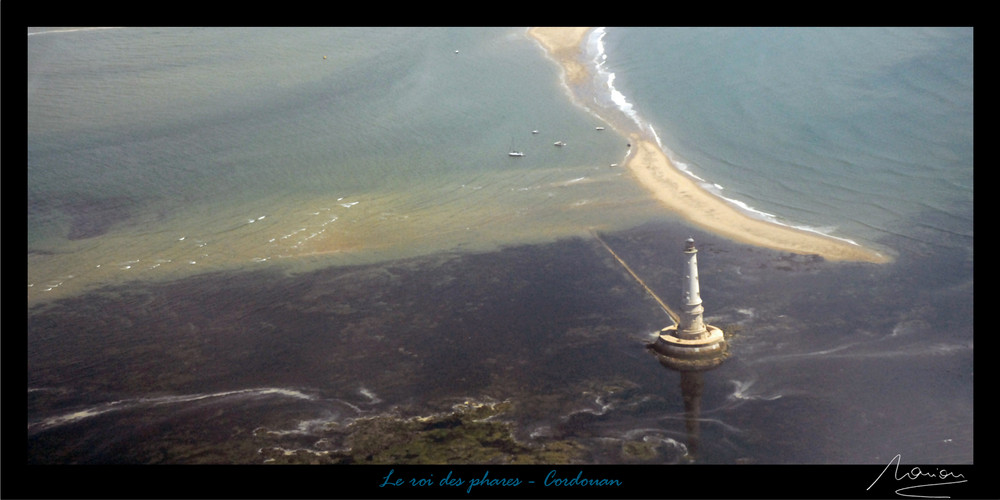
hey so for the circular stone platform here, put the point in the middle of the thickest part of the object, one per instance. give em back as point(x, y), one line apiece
point(684, 354)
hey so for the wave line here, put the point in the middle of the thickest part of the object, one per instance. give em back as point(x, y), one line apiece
point(124, 404)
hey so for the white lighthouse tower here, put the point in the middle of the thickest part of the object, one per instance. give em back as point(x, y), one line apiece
point(691, 325)
point(691, 343)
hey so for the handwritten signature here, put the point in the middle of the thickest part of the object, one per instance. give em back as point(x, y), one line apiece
point(945, 476)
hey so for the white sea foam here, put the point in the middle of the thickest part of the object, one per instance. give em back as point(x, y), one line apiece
point(541, 431)
point(70, 417)
point(823, 352)
point(72, 30)
point(646, 432)
point(716, 189)
point(904, 328)
point(310, 426)
point(599, 60)
point(570, 182)
point(293, 451)
point(657, 437)
point(875, 350)
point(681, 447)
point(372, 398)
point(936, 349)
point(595, 46)
point(75, 416)
point(602, 408)
point(742, 391)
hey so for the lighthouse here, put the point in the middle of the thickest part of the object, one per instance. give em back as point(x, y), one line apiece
point(691, 344)
point(691, 324)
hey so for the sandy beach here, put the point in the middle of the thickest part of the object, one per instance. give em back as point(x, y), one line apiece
point(678, 191)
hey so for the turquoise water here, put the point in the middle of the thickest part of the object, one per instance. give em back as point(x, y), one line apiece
point(861, 133)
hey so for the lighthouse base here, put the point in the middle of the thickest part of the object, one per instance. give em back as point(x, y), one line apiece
point(703, 353)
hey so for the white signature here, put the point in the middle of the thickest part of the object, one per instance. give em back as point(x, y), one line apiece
point(916, 473)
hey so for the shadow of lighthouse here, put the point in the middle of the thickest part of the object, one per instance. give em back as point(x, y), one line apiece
point(691, 347)
point(692, 382)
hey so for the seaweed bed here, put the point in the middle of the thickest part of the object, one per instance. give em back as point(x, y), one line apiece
point(528, 354)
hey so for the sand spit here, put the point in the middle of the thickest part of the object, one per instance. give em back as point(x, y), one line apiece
point(681, 194)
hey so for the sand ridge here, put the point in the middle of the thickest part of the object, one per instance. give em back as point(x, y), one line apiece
point(677, 191)
point(564, 45)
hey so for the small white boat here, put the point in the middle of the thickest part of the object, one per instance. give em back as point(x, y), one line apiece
point(598, 128)
point(559, 143)
point(534, 131)
point(513, 151)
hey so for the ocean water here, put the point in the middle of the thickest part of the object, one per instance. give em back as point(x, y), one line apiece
point(860, 133)
point(324, 224)
point(160, 152)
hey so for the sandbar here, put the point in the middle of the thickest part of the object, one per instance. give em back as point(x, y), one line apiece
point(563, 44)
point(679, 192)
